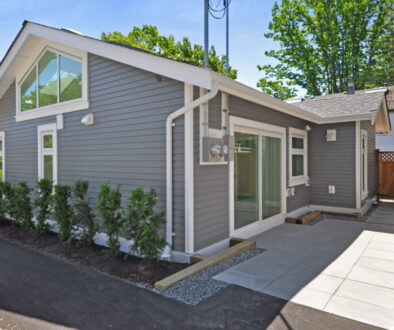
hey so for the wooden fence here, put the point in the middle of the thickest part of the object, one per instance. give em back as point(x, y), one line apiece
point(386, 173)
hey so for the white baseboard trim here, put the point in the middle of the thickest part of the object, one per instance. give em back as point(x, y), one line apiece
point(298, 212)
point(314, 207)
point(260, 227)
point(180, 257)
point(365, 208)
point(214, 248)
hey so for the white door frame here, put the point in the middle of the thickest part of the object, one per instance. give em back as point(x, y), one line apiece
point(238, 124)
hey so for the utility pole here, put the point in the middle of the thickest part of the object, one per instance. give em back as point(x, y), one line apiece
point(206, 26)
point(226, 4)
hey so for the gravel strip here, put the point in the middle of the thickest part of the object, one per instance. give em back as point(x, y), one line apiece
point(197, 287)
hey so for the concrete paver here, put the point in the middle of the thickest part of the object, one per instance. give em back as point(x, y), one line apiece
point(337, 266)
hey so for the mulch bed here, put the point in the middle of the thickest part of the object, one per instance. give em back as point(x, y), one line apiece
point(133, 268)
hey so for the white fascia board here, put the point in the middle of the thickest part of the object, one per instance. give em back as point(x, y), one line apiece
point(170, 68)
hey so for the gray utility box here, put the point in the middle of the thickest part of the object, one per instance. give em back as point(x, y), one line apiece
point(215, 150)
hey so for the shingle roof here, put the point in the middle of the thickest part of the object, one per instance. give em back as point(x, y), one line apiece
point(343, 104)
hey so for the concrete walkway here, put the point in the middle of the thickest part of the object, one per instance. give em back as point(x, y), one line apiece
point(341, 267)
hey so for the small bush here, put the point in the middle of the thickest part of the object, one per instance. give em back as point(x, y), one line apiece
point(63, 212)
point(43, 203)
point(142, 224)
point(84, 215)
point(109, 207)
point(4, 191)
point(10, 201)
point(23, 211)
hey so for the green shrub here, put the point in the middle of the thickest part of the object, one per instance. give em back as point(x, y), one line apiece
point(23, 210)
point(4, 191)
point(62, 212)
point(43, 203)
point(109, 207)
point(83, 213)
point(142, 224)
point(10, 201)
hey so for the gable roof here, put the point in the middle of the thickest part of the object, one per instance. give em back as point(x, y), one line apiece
point(31, 33)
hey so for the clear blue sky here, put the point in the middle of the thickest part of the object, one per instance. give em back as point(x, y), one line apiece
point(248, 22)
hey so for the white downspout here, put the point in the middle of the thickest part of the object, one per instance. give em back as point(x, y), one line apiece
point(169, 123)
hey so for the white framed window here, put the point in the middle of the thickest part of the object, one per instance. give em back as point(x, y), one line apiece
point(56, 83)
point(2, 156)
point(47, 152)
point(298, 157)
point(364, 163)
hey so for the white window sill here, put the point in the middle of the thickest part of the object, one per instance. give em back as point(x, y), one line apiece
point(52, 110)
point(298, 182)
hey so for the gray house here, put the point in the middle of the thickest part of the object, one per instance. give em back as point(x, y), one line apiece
point(226, 160)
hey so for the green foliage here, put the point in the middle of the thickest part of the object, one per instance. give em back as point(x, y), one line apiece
point(109, 207)
point(43, 202)
point(23, 210)
point(326, 43)
point(10, 198)
point(63, 212)
point(149, 39)
point(5, 187)
point(142, 223)
point(84, 215)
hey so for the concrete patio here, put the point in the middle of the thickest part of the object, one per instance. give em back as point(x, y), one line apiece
point(337, 266)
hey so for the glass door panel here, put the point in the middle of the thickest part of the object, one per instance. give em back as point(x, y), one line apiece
point(271, 176)
point(246, 182)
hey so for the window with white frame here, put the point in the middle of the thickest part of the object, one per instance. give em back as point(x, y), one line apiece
point(364, 163)
point(298, 157)
point(56, 81)
point(2, 156)
point(47, 152)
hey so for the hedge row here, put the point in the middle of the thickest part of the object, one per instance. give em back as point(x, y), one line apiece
point(72, 210)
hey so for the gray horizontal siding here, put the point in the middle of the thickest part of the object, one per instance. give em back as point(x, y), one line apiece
point(333, 163)
point(126, 144)
point(211, 219)
point(372, 159)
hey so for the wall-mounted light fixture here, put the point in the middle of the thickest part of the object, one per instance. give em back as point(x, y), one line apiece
point(88, 119)
point(307, 128)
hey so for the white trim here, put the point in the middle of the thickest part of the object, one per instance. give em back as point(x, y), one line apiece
point(52, 129)
point(368, 205)
point(261, 129)
point(364, 136)
point(189, 173)
point(169, 183)
point(60, 107)
point(215, 248)
point(2, 154)
point(52, 111)
point(358, 165)
point(301, 134)
point(298, 212)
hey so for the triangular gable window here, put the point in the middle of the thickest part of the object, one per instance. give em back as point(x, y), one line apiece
point(55, 80)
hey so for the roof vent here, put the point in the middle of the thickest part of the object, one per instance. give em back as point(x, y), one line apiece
point(351, 89)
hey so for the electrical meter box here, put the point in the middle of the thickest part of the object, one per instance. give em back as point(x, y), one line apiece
point(216, 150)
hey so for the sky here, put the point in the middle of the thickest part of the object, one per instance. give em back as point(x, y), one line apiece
point(248, 22)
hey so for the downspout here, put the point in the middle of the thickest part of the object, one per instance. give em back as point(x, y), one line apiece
point(169, 124)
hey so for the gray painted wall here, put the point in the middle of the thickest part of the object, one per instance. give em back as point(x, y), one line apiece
point(211, 218)
point(372, 160)
point(333, 163)
point(125, 145)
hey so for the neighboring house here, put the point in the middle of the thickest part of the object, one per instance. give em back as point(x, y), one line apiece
point(225, 159)
point(385, 141)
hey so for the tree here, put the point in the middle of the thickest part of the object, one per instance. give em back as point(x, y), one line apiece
point(326, 43)
point(149, 39)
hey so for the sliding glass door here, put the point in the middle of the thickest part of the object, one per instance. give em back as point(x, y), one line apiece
point(246, 194)
point(257, 176)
